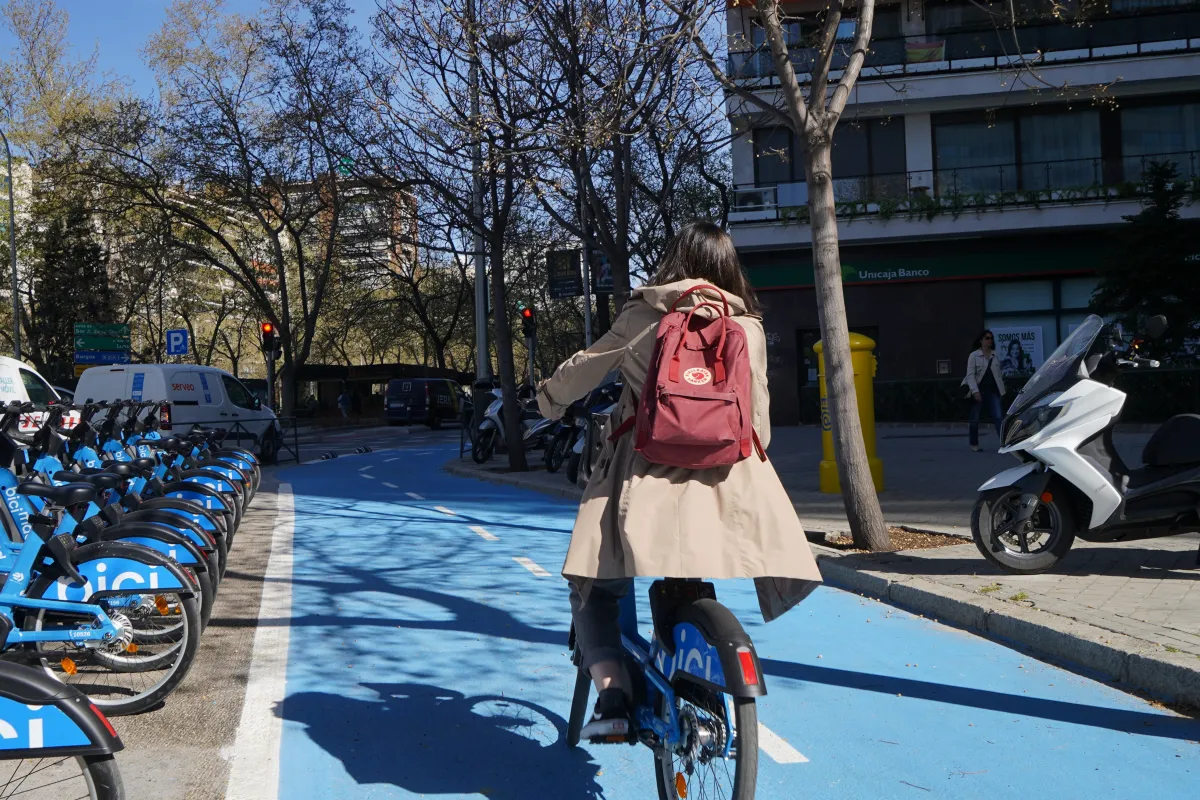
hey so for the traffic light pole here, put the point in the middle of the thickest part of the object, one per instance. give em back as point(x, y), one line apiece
point(271, 380)
point(530, 344)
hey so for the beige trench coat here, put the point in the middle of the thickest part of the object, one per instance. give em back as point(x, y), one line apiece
point(643, 519)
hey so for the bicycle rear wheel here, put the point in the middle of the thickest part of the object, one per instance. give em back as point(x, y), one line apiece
point(62, 778)
point(697, 769)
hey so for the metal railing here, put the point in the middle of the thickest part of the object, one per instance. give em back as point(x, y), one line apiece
point(1103, 37)
point(1062, 180)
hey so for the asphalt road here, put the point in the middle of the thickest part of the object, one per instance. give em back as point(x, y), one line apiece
point(413, 645)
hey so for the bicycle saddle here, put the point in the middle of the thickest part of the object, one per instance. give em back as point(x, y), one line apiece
point(144, 464)
point(101, 480)
point(67, 495)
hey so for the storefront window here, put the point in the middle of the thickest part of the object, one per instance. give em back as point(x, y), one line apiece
point(1030, 318)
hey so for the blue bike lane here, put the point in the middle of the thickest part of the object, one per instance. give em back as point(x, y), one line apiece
point(427, 658)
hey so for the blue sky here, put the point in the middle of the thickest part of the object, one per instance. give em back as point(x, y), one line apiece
point(120, 28)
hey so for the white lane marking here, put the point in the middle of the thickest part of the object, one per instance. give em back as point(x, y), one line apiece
point(254, 773)
point(444, 510)
point(778, 748)
point(390, 485)
point(368, 477)
point(360, 469)
point(424, 453)
point(490, 537)
point(415, 496)
point(532, 567)
point(390, 460)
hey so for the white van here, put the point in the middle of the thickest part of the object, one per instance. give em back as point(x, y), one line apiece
point(205, 395)
point(19, 381)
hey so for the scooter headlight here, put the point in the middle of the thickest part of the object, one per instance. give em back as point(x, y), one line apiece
point(1032, 421)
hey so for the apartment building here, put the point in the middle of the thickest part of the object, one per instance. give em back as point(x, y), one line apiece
point(980, 169)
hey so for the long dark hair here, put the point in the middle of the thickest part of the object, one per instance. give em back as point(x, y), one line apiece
point(979, 340)
point(702, 251)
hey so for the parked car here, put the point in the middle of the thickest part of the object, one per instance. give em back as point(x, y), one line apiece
point(423, 401)
point(194, 394)
point(19, 381)
point(65, 395)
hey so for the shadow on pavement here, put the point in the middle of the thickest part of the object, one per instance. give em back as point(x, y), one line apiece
point(1134, 722)
point(433, 741)
point(1125, 561)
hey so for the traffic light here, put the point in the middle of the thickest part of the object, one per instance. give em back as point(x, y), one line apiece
point(528, 322)
point(269, 341)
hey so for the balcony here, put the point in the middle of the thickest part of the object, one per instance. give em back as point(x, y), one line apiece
point(956, 51)
point(928, 194)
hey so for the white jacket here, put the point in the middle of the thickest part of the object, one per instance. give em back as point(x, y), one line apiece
point(977, 364)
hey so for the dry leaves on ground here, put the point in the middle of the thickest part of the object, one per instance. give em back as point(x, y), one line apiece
point(901, 540)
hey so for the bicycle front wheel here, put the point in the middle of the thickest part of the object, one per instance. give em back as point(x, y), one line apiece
point(63, 778)
point(696, 768)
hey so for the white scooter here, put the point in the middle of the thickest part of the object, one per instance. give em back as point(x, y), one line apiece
point(1072, 482)
point(490, 436)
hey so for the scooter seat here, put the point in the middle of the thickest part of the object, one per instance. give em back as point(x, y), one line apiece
point(1176, 443)
point(67, 495)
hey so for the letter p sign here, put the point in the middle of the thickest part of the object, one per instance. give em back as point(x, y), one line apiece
point(177, 343)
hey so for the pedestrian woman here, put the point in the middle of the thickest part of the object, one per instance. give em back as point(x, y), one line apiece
point(643, 519)
point(985, 385)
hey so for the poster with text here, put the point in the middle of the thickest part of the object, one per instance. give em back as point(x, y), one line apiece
point(1019, 349)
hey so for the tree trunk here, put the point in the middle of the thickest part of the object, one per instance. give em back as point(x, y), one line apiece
point(502, 340)
point(854, 472)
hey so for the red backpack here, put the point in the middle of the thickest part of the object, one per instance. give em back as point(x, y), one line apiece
point(694, 410)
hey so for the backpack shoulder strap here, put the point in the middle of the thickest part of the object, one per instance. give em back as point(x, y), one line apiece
point(694, 289)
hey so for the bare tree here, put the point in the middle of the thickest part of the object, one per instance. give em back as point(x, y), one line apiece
point(814, 117)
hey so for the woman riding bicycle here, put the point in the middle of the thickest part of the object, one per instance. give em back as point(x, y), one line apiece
point(643, 519)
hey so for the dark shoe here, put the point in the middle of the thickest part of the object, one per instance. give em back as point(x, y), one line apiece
point(610, 719)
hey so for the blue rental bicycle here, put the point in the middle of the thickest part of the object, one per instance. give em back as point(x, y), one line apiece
point(695, 686)
point(54, 744)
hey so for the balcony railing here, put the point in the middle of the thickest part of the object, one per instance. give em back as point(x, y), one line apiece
point(930, 192)
point(1104, 37)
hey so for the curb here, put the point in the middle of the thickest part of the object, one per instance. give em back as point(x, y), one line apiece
point(1136, 663)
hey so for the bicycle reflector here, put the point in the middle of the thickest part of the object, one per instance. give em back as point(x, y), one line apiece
point(746, 662)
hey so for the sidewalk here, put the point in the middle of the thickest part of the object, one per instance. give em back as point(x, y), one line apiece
point(1130, 611)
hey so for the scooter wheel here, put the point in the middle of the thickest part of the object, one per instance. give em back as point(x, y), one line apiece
point(1052, 535)
point(484, 446)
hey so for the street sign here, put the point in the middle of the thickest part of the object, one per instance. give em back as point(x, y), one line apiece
point(101, 357)
point(177, 342)
point(102, 343)
point(102, 329)
point(602, 278)
point(79, 368)
point(562, 270)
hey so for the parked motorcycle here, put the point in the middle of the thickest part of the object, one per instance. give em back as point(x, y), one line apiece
point(490, 437)
point(1072, 482)
point(574, 422)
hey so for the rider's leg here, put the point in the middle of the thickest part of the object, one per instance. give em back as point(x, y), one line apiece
point(598, 631)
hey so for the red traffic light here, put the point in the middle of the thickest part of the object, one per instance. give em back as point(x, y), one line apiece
point(527, 313)
point(268, 328)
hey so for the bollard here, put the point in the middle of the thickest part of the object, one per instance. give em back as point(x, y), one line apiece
point(862, 358)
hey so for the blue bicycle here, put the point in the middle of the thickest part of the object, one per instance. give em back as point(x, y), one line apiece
point(54, 744)
point(695, 686)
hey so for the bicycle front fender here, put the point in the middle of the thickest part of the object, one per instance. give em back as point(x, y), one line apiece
point(712, 649)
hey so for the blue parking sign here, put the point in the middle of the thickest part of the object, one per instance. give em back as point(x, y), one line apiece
point(177, 342)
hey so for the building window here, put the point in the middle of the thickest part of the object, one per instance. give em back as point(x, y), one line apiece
point(975, 157)
point(1020, 151)
point(1152, 133)
point(773, 162)
point(1060, 150)
point(1031, 318)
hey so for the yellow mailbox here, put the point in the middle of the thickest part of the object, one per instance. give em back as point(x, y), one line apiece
point(862, 358)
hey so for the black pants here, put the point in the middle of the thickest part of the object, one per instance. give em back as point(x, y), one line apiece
point(597, 620)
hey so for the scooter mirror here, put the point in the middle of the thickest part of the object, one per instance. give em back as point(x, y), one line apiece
point(1156, 326)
